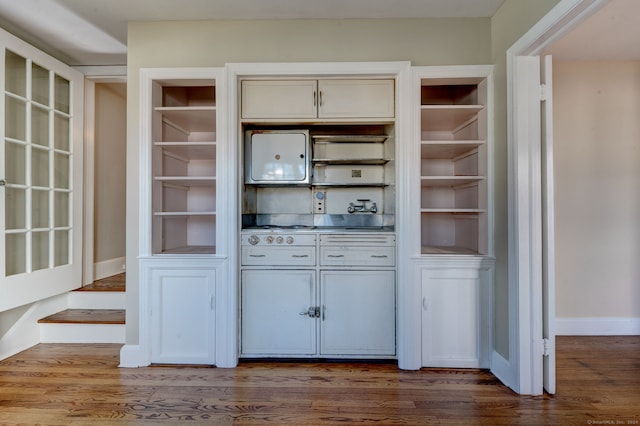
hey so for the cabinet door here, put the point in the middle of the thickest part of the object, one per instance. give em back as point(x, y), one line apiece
point(275, 312)
point(450, 318)
point(279, 99)
point(358, 313)
point(368, 98)
point(182, 316)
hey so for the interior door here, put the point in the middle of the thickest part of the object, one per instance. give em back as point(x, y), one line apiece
point(548, 251)
point(40, 176)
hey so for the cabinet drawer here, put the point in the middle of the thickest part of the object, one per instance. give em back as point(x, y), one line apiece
point(279, 256)
point(357, 256)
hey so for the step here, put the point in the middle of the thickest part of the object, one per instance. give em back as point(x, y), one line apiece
point(84, 326)
point(79, 299)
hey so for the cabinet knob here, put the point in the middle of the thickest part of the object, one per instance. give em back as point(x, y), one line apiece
point(3, 182)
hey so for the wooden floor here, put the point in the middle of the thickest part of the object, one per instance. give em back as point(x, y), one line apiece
point(55, 384)
point(112, 283)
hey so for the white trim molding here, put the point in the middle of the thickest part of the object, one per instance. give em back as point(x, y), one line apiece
point(601, 326)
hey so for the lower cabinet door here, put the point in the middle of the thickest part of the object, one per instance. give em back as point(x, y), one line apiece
point(450, 318)
point(182, 316)
point(358, 313)
point(278, 313)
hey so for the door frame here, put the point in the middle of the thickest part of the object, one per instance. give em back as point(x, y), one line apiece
point(92, 76)
point(525, 198)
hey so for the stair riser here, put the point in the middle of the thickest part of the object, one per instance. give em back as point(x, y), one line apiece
point(97, 300)
point(82, 333)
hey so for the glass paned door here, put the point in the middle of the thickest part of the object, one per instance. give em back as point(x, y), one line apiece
point(37, 177)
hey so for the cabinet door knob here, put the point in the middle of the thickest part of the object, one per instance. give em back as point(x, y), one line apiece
point(3, 182)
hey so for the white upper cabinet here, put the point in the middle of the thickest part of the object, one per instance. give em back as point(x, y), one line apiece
point(325, 99)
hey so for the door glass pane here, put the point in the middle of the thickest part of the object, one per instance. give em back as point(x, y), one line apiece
point(61, 249)
point(62, 94)
point(16, 209)
point(39, 209)
point(40, 250)
point(61, 209)
point(40, 84)
point(15, 78)
point(16, 259)
point(15, 163)
point(61, 132)
point(39, 167)
point(39, 126)
point(61, 170)
point(15, 118)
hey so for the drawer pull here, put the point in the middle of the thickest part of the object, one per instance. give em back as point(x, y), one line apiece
point(379, 256)
point(336, 255)
point(299, 255)
point(257, 255)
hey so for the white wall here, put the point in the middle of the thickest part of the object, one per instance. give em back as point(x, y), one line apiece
point(110, 178)
point(597, 196)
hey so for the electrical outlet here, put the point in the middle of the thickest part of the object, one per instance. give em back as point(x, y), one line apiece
point(318, 201)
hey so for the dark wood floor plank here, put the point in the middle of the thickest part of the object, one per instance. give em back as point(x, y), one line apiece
point(598, 381)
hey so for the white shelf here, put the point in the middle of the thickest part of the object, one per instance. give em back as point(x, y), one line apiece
point(453, 210)
point(190, 118)
point(189, 150)
point(183, 214)
point(188, 180)
point(445, 149)
point(438, 118)
point(449, 181)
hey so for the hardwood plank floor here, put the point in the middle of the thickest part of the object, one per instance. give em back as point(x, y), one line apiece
point(70, 384)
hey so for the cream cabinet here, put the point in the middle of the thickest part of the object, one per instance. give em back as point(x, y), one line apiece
point(357, 310)
point(317, 99)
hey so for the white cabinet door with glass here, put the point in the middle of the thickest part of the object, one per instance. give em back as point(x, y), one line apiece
point(322, 99)
point(40, 176)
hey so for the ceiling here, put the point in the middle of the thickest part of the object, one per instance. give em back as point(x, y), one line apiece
point(94, 32)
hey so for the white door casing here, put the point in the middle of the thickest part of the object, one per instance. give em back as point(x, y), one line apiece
point(526, 370)
point(548, 241)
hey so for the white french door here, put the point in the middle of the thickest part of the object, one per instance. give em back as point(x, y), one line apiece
point(40, 175)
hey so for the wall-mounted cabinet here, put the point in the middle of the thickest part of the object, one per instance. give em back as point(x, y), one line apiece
point(326, 99)
point(184, 167)
point(453, 166)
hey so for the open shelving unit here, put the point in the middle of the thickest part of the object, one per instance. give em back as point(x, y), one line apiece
point(453, 166)
point(184, 167)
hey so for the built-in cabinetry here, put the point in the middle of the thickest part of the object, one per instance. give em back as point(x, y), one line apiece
point(340, 306)
point(453, 263)
point(336, 98)
point(184, 167)
point(453, 165)
point(183, 260)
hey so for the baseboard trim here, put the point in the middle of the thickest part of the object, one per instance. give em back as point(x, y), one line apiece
point(603, 326)
point(108, 268)
point(131, 356)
